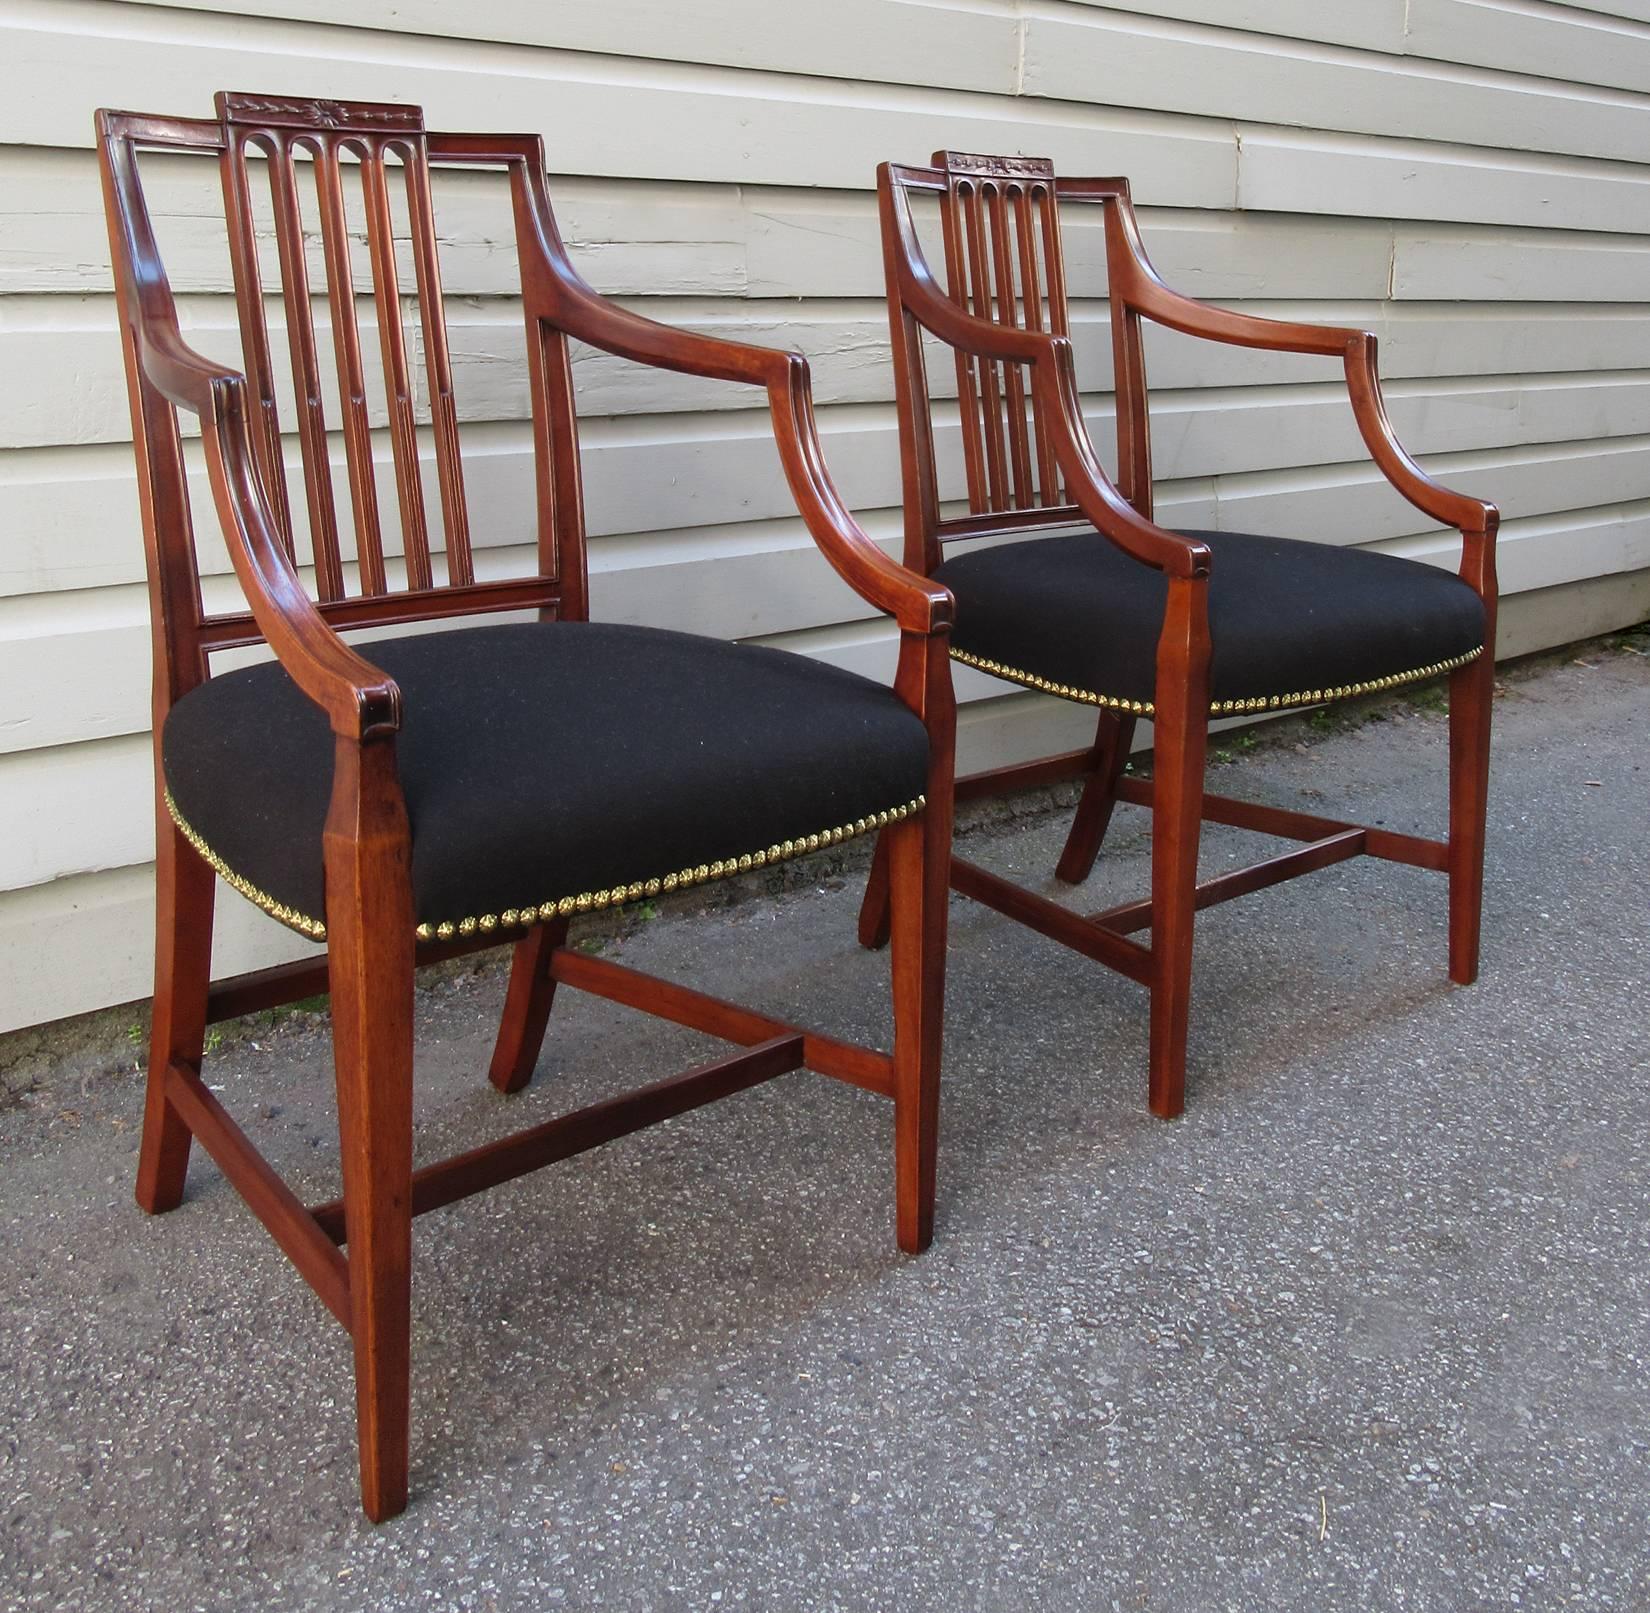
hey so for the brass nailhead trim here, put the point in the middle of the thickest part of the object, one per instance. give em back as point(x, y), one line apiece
point(289, 916)
point(1217, 708)
point(584, 902)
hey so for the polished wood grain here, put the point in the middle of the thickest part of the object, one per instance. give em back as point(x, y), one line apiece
point(1126, 917)
point(1114, 737)
point(1002, 311)
point(391, 565)
point(266, 1195)
point(527, 1003)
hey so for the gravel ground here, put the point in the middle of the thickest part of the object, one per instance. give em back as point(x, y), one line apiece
point(1368, 1328)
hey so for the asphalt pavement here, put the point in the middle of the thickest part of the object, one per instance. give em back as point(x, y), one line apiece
point(1367, 1328)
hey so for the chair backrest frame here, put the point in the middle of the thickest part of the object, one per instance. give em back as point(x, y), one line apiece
point(281, 129)
point(1005, 263)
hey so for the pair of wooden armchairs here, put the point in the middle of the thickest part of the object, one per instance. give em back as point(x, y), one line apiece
point(421, 796)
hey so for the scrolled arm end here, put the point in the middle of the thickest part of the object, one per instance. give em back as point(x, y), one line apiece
point(1469, 515)
point(917, 603)
point(361, 702)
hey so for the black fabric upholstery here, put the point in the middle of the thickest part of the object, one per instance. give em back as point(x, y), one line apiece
point(1285, 618)
point(544, 760)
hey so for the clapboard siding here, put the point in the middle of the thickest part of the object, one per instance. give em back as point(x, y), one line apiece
point(1580, 43)
point(1468, 178)
point(1075, 53)
point(647, 474)
point(74, 349)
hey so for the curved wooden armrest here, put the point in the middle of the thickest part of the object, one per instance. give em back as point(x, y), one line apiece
point(1054, 379)
point(918, 605)
point(1475, 518)
point(1054, 376)
point(586, 314)
point(1145, 293)
point(359, 700)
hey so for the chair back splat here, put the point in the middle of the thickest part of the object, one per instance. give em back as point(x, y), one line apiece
point(1000, 220)
point(265, 148)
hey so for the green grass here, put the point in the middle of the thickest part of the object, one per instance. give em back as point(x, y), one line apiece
point(1427, 697)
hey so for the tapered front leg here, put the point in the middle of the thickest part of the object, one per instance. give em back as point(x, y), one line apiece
point(1179, 738)
point(370, 937)
point(918, 861)
point(184, 890)
point(1471, 698)
point(919, 857)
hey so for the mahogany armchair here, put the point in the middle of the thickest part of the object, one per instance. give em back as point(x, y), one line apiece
point(422, 796)
point(1140, 621)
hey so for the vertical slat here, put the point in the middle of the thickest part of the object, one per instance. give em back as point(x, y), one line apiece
point(1031, 294)
point(968, 397)
point(249, 299)
point(306, 372)
point(1002, 255)
point(1054, 265)
point(392, 342)
point(991, 412)
point(1054, 278)
point(443, 409)
point(346, 341)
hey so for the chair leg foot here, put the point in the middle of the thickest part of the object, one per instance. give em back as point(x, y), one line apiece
point(1180, 740)
point(527, 1005)
point(919, 861)
point(1472, 694)
point(1113, 737)
point(1174, 882)
point(372, 1032)
point(184, 889)
point(371, 959)
point(874, 908)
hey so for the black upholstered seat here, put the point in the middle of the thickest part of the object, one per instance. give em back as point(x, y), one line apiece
point(550, 766)
point(1291, 623)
